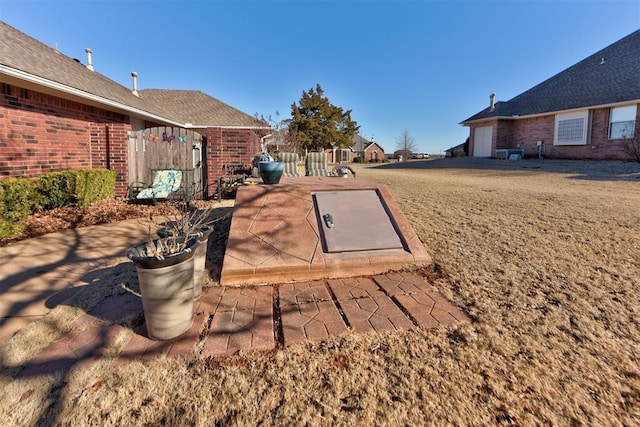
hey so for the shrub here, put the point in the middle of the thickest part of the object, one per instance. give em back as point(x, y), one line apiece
point(18, 199)
point(76, 187)
point(56, 189)
point(93, 185)
point(633, 147)
point(357, 159)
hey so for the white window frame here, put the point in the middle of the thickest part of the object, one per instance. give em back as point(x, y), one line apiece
point(624, 118)
point(563, 123)
point(344, 155)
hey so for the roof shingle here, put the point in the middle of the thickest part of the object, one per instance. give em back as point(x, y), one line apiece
point(609, 76)
point(25, 54)
point(198, 108)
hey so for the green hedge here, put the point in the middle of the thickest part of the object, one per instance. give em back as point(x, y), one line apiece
point(20, 197)
point(76, 187)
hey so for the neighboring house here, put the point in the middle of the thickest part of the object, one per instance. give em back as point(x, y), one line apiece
point(406, 154)
point(56, 114)
point(367, 150)
point(457, 151)
point(589, 111)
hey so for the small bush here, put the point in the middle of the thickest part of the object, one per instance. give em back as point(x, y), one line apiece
point(633, 147)
point(93, 185)
point(18, 199)
point(76, 187)
point(56, 189)
point(358, 159)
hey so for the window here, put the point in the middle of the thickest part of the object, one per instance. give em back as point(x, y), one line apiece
point(571, 128)
point(622, 123)
point(344, 155)
point(374, 155)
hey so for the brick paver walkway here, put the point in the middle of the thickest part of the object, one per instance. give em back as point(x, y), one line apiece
point(230, 319)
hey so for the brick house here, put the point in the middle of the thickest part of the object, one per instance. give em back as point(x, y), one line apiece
point(368, 150)
point(588, 111)
point(56, 114)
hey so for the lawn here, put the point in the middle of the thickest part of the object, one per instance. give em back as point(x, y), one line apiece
point(544, 256)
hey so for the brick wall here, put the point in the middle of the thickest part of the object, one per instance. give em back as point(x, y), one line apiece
point(228, 146)
point(526, 132)
point(368, 153)
point(42, 133)
point(503, 135)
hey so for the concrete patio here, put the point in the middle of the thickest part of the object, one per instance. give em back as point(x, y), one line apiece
point(275, 236)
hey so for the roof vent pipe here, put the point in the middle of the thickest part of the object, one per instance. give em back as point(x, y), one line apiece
point(492, 102)
point(134, 76)
point(89, 62)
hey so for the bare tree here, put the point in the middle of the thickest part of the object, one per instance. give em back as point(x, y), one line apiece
point(633, 146)
point(277, 133)
point(406, 145)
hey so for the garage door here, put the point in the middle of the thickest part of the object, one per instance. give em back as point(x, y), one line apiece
point(482, 142)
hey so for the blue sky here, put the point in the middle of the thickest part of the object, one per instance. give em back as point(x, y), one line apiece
point(419, 66)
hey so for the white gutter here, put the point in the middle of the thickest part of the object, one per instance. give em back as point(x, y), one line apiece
point(192, 126)
point(12, 72)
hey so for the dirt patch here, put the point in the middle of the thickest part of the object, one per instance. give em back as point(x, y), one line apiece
point(102, 212)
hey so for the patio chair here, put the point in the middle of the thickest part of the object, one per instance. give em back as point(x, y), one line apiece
point(290, 161)
point(165, 183)
point(316, 165)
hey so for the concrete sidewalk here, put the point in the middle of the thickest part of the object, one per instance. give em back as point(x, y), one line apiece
point(39, 273)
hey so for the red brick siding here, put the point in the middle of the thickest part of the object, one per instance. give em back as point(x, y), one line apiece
point(527, 131)
point(338, 155)
point(368, 153)
point(42, 133)
point(228, 146)
point(503, 135)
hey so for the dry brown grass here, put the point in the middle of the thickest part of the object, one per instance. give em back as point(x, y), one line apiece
point(546, 263)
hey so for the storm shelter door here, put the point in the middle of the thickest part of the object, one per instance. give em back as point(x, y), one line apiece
point(354, 220)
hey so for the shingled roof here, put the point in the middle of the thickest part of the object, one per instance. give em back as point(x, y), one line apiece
point(359, 143)
point(198, 108)
point(25, 59)
point(609, 76)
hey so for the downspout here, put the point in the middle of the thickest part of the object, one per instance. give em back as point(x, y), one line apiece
point(108, 147)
